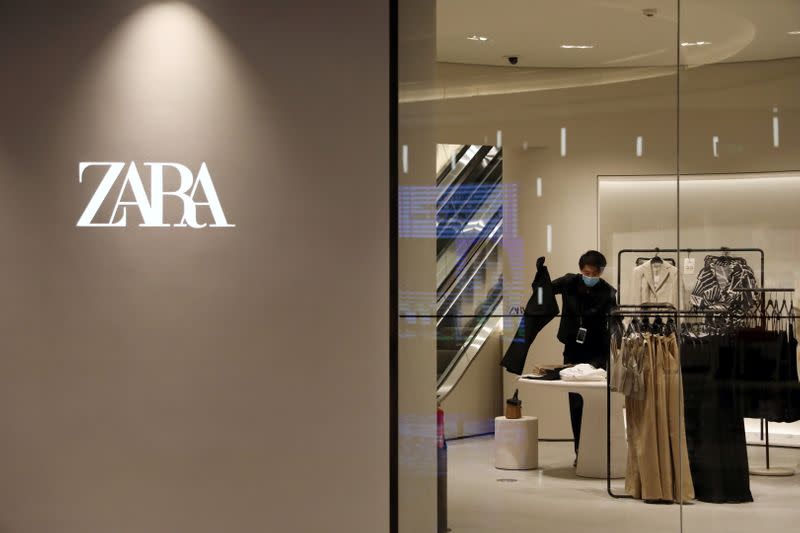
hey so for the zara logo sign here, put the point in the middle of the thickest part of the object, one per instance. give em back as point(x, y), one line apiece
point(151, 205)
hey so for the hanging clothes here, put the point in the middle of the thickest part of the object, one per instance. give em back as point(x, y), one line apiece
point(717, 284)
point(626, 374)
point(715, 437)
point(640, 260)
point(766, 369)
point(541, 308)
point(655, 282)
point(658, 467)
point(791, 378)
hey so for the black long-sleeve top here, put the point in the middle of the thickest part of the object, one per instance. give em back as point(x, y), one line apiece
point(587, 307)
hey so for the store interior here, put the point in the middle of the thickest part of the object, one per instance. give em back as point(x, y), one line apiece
point(657, 133)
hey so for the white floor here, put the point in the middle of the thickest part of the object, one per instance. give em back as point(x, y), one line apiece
point(483, 499)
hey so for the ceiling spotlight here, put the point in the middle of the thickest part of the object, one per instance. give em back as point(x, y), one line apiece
point(480, 38)
point(578, 46)
point(696, 43)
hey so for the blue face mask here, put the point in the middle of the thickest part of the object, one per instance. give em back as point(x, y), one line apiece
point(589, 281)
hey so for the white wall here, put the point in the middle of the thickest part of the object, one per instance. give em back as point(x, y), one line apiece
point(176, 380)
point(748, 210)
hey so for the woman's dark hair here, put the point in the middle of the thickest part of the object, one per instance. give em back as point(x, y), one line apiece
point(593, 258)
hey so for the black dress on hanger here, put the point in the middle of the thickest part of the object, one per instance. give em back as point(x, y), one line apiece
point(767, 373)
point(715, 436)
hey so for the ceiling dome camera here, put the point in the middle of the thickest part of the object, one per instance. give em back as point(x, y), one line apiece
point(513, 60)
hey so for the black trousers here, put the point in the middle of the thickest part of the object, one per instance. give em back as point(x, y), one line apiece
point(575, 414)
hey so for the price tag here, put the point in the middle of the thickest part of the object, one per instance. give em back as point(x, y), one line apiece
point(688, 265)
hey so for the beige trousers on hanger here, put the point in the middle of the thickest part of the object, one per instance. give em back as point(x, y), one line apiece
point(658, 461)
point(643, 476)
point(683, 486)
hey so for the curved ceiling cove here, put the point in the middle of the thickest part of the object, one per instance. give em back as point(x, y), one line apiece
point(615, 33)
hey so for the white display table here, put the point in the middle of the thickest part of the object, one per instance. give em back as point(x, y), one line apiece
point(592, 458)
point(516, 443)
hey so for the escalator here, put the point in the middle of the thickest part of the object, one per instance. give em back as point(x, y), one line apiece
point(469, 233)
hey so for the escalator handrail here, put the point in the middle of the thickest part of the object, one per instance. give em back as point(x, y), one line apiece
point(447, 193)
point(448, 168)
point(466, 276)
point(445, 197)
point(487, 235)
point(450, 229)
point(484, 214)
point(465, 167)
point(470, 341)
point(488, 189)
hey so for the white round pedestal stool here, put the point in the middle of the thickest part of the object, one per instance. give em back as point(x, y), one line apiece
point(516, 443)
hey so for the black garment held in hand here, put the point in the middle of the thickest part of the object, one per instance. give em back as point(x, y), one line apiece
point(584, 307)
point(538, 313)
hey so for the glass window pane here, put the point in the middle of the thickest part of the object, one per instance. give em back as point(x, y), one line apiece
point(536, 129)
point(738, 185)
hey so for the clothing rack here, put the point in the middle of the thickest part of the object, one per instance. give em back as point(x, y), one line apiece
point(723, 249)
point(762, 289)
point(666, 310)
point(623, 311)
point(657, 251)
point(653, 311)
point(769, 470)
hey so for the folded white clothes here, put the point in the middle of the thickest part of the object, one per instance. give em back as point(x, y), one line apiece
point(583, 372)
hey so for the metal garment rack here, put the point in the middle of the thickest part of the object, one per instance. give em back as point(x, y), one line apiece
point(768, 471)
point(656, 251)
point(670, 311)
point(623, 311)
point(726, 251)
point(664, 311)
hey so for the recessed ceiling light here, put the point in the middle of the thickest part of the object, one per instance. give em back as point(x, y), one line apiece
point(696, 43)
point(793, 32)
point(578, 46)
point(478, 38)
